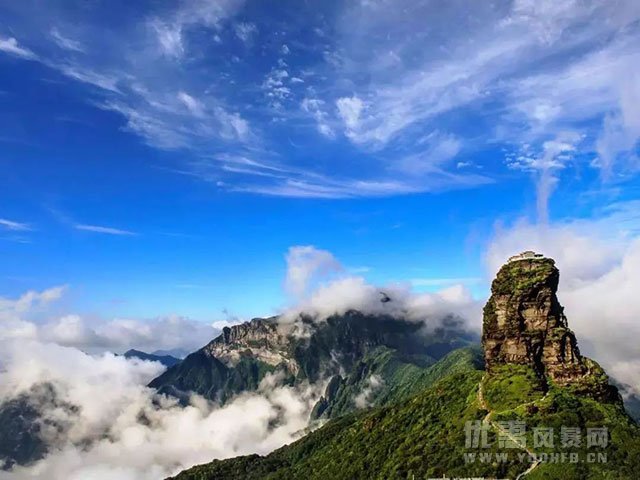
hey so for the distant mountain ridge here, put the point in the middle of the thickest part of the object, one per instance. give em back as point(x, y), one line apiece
point(349, 349)
point(166, 360)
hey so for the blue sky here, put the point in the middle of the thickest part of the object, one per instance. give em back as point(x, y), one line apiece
point(161, 157)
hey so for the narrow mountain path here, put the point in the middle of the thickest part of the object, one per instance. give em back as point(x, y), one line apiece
point(487, 419)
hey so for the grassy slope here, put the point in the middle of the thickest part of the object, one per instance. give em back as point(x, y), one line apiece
point(424, 437)
point(402, 376)
point(562, 407)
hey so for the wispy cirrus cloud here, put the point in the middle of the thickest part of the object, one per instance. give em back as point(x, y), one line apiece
point(545, 164)
point(104, 230)
point(11, 46)
point(171, 28)
point(245, 31)
point(15, 226)
point(521, 71)
point(349, 103)
point(65, 42)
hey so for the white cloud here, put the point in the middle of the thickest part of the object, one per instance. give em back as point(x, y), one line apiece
point(170, 29)
point(11, 46)
point(626, 372)
point(337, 297)
point(274, 85)
point(31, 318)
point(245, 31)
point(65, 42)
point(169, 38)
point(233, 125)
point(130, 433)
point(598, 87)
point(517, 73)
point(170, 120)
point(438, 149)
point(14, 226)
point(315, 107)
point(555, 155)
point(304, 265)
point(10, 309)
point(349, 109)
point(364, 398)
point(118, 335)
point(317, 186)
point(104, 230)
point(145, 74)
point(323, 287)
point(164, 333)
point(136, 72)
point(546, 18)
point(192, 104)
point(621, 130)
point(543, 67)
point(105, 81)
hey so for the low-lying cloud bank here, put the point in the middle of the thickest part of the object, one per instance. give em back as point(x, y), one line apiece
point(99, 418)
point(599, 262)
point(28, 318)
point(121, 431)
point(324, 288)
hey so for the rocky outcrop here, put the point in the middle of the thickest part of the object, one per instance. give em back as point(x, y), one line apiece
point(261, 339)
point(524, 323)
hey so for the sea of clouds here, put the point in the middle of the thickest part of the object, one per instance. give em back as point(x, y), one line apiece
point(120, 429)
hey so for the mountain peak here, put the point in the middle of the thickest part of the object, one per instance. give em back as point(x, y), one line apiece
point(166, 360)
point(524, 323)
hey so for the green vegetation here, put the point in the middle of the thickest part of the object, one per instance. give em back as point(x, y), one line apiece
point(511, 385)
point(597, 382)
point(423, 436)
point(409, 380)
point(561, 408)
point(524, 276)
point(398, 441)
point(210, 377)
point(400, 377)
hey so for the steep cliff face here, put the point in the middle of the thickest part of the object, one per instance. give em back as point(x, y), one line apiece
point(525, 324)
point(261, 339)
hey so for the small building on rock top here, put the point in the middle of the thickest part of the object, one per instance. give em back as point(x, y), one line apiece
point(528, 255)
